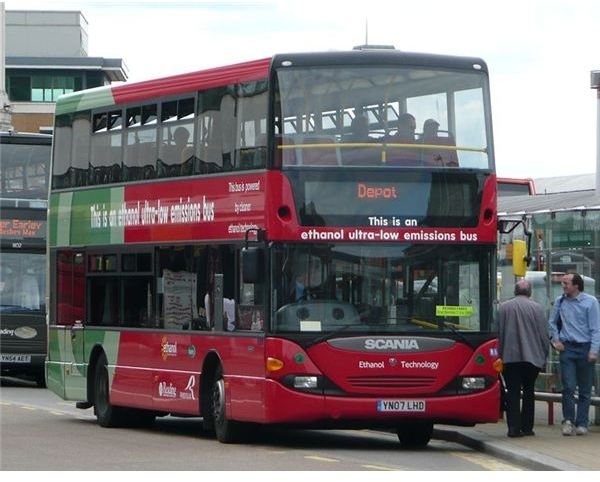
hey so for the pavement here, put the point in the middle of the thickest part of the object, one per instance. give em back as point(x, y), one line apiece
point(547, 450)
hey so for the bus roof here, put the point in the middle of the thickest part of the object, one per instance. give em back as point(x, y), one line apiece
point(247, 72)
point(512, 181)
point(6, 137)
point(382, 56)
point(173, 85)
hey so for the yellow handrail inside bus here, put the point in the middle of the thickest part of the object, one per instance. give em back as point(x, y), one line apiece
point(383, 145)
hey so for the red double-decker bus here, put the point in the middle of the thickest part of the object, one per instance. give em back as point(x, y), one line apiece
point(307, 240)
point(510, 186)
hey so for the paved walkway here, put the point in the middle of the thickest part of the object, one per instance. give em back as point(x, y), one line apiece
point(547, 450)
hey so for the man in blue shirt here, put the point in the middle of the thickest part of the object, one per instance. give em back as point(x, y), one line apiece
point(577, 337)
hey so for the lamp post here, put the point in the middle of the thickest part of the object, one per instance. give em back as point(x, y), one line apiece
point(5, 117)
point(595, 84)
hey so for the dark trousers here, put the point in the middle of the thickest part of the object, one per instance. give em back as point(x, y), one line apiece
point(519, 377)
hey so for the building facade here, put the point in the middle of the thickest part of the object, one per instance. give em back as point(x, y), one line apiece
point(46, 57)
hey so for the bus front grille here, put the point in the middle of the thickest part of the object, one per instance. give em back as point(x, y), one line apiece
point(393, 381)
point(18, 345)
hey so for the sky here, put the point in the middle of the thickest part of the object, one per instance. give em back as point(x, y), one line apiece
point(540, 54)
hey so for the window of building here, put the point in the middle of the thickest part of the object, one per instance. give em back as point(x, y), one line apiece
point(47, 88)
point(19, 88)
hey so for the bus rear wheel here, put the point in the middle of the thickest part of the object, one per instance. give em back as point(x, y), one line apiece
point(227, 431)
point(415, 435)
point(106, 414)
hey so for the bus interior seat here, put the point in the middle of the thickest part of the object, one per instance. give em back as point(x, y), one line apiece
point(441, 157)
point(328, 155)
point(403, 156)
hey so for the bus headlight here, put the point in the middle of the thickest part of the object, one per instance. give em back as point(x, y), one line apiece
point(473, 383)
point(304, 382)
point(313, 384)
point(462, 385)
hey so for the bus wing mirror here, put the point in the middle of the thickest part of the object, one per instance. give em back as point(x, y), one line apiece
point(252, 264)
point(520, 260)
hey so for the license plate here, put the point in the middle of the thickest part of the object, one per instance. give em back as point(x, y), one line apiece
point(11, 358)
point(400, 405)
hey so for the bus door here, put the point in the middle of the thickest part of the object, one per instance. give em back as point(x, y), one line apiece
point(70, 314)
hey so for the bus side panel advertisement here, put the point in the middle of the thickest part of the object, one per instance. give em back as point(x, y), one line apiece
point(220, 208)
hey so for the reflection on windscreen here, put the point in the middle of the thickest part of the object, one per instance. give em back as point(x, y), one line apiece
point(376, 116)
point(22, 282)
point(390, 289)
point(24, 171)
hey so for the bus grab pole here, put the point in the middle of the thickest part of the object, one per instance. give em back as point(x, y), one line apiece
point(219, 322)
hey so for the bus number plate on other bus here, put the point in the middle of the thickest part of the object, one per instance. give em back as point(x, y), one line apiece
point(9, 358)
point(400, 405)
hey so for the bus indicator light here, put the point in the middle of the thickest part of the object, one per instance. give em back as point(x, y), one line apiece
point(274, 364)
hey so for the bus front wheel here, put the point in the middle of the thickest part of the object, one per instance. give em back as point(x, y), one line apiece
point(227, 431)
point(415, 435)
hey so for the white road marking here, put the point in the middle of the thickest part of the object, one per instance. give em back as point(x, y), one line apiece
point(484, 461)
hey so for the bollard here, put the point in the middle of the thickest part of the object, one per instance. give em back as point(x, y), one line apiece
point(550, 412)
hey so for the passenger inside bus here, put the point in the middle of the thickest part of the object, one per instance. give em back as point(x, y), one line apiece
point(221, 262)
point(184, 152)
point(430, 130)
point(229, 309)
point(398, 154)
point(432, 136)
point(361, 155)
point(405, 133)
point(359, 127)
point(176, 156)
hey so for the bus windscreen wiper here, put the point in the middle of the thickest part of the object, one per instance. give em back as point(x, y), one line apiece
point(459, 334)
point(331, 334)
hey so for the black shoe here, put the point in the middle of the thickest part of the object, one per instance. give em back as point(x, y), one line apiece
point(512, 434)
point(529, 433)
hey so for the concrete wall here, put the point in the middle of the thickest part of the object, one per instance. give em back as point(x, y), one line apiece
point(46, 34)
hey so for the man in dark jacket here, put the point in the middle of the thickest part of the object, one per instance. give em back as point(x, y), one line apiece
point(523, 346)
